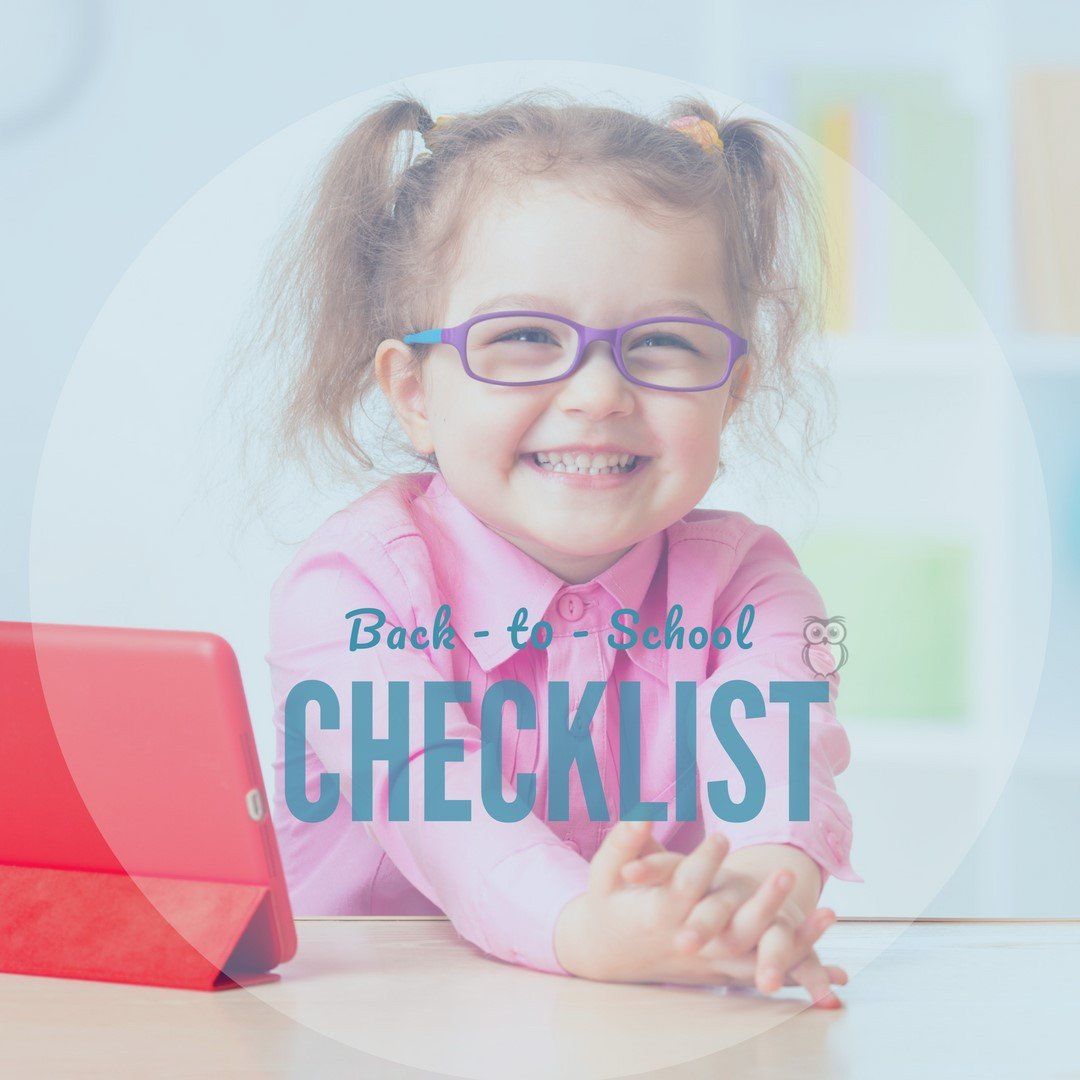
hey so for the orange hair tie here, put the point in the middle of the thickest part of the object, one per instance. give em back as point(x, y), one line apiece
point(440, 121)
point(702, 131)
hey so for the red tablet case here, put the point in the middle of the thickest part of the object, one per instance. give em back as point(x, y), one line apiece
point(135, 838)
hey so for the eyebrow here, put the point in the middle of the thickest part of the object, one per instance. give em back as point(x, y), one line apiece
point(531, 302)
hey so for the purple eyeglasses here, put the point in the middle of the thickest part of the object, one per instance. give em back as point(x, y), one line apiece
point(530, 348)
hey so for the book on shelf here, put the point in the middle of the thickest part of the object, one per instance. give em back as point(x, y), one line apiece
point(1046, 186)
point(905, 262)
point(906, 600)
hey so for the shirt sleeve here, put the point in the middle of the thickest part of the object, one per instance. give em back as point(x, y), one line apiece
point(767, 575)
point(502, 884)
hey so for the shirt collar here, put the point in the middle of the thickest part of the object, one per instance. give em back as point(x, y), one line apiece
point(488, 578)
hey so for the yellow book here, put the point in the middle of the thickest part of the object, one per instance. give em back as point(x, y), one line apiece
point(1046, 180)
point(837, 135)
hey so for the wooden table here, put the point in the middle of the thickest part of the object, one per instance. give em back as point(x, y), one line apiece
point(407, 998)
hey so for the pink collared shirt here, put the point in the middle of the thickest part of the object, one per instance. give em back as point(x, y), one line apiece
point(409, 546)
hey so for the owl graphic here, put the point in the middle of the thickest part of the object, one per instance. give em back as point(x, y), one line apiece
point(817, 631)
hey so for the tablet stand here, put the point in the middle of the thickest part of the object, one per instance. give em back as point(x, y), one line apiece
point(87, 924)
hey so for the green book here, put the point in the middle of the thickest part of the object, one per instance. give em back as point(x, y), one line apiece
point(906, 602)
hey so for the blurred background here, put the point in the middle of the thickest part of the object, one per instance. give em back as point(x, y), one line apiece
point(112, 115)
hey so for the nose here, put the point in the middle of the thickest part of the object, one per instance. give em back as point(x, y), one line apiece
point(597, 388)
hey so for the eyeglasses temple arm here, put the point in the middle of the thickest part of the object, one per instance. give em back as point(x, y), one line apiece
point(424, 337)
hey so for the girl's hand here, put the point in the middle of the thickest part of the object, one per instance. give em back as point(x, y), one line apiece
point(620, 933)
point(752, 929)
point(623, 932)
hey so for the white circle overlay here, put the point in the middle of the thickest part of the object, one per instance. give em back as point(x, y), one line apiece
point(127, 531)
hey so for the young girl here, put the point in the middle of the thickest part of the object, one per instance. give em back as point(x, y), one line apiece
point(477, 285)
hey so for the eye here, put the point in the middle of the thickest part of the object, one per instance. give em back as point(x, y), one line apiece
point(529, 335)
point(836, 632)
point(814, 633)
point(659, 340)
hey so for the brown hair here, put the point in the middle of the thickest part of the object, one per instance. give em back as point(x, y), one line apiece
point(380, 232)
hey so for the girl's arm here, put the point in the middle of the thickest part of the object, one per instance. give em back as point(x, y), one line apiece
point(767, 575)
point(774, 853)
point(502, 884)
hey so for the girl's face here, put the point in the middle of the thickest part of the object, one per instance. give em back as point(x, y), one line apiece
point(552, 249)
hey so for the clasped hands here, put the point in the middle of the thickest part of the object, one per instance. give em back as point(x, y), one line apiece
point(652, 915)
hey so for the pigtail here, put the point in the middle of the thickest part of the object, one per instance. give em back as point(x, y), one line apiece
point(323, 305)
point(339, 266)
point(778, 273)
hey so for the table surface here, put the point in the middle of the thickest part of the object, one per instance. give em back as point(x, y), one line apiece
point(407, 998)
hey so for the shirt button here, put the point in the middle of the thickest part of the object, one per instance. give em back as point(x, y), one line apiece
point(571, 607)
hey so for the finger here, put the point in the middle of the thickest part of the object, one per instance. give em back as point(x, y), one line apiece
point(815, 979)
point(651, 869)
point(759, 912)
point(815, 924)
point(809, 931)
point(653, 846)
point(775, 955)
point(624, 843)
point(693, 877)
point(710, 918)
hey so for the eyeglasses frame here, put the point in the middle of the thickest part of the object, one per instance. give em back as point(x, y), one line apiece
point(458, 335)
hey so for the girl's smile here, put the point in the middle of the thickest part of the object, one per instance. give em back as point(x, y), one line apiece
point(587, 467)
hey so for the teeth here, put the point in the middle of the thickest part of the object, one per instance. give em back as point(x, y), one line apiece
point(586, 464)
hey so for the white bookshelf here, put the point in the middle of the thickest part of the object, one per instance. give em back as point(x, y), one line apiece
point(979, 46)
